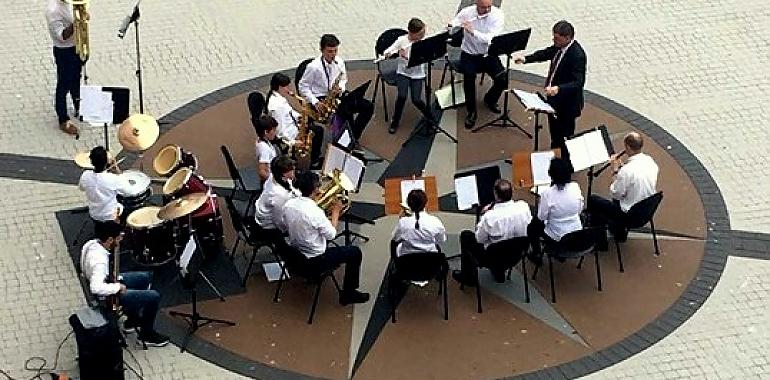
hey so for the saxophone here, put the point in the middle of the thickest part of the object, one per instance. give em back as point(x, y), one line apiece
point(305, 135)
point(80, 15)
point(329, 103)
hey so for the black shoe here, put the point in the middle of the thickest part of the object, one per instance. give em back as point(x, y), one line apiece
point(153, 339)
point(493, 107)
point(392, 130)
point(458, 276)
point(354, 296)
point(470, 120)
point(129, 326)
point(536, 258)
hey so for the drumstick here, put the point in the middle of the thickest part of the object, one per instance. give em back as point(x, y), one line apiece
point(116, 163)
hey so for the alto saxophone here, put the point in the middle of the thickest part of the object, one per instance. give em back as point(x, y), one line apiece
point(80, 26)
point(305, 135)
point(329, 104)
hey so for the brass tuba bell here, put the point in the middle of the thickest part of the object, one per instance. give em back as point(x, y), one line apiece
point(80, 15)
point(333, 187)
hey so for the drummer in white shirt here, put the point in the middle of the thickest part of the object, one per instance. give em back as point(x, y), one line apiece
point(102, 187)
point(269, 206)
point(409, 79)
point(266, 151)
point(416, 235)
point(288, 119)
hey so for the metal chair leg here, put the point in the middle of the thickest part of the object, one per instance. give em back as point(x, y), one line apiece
point(376, 87)
point(280, 284)
point(446, 298)
point(248, 268)
point(443, 75)
point(235, 248)
point(391, 297)
point(553, 286)
point(478, 292)
point(524, 274)
point(384, 100)
point(654, 237)
point(598, 270)
point(620, 258)
point(580, 262)
point(315, 300)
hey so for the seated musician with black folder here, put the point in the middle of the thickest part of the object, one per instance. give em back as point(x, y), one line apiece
point(633, 182)
point(326, 77)
point(502, 220)
point(310, 230)
point(277, 190)
point(137, 300)
point(418, 233)
point(102, 186)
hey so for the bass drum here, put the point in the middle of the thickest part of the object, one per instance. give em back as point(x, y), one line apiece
point(172, 158)
point(207, 225)
point(151, 239)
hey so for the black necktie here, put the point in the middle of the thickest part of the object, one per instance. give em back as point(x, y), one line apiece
point(551, 69)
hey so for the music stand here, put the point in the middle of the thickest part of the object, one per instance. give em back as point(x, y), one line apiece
point(189, 268)
point(394, 197)
point(535, 103)
point(101, 105)
point(341, 158)
point(426, 51)
point(475, 188)
point(506, 44)
point(590, 147)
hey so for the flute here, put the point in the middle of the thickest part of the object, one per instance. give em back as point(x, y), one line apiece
point(472, 19)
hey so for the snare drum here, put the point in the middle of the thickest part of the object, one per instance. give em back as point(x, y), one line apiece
point(151, 239)
point(171, 158)
point(138, 190)
point(184, 182)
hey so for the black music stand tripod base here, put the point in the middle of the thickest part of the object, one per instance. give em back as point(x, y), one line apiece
point(349, 235)
point(195, 320)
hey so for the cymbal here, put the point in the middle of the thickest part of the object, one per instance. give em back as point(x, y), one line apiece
point(138, 132)
point(182, 206)
point(83, 159)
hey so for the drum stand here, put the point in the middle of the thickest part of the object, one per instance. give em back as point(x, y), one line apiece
point(177, 247)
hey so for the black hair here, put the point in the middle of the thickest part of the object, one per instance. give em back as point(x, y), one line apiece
point(416, 200)
point(415, 25)
point(306, 182)
point(329, 40)
point(278, 80)
point(264, 124)
point(279, 166)
point(106, 230)
point(503, 190)
point(564, 28)
point(99, 159)
point(560, 172)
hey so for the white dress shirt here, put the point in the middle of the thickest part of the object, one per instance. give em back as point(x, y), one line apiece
point(58, 15)
point(484, 28)
point(636, 180)
point(95, 265)
point(560, 210)
point(319, 77)
point(101, 193)
point(504, 221)
point(280, 109)
point(269, 205)
point(266, 152)
point(416, 72)
point(424, 239)
point(308, 227)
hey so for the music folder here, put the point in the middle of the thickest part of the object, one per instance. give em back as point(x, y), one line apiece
point(532, 101)
point(530, 169)
point(339, 158)
point(476, 187)
point(589, 148)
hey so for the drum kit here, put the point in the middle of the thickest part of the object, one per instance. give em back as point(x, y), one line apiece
point(157, 234)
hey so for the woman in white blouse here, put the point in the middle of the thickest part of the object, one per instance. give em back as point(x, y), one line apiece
point(417, 235)
point(266, 151)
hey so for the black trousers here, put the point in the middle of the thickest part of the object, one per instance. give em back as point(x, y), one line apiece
point(474, 255)
point(606, 214)
point(68, 68)
point(318, 141)
point(416, 87)
point(470, 65)
point(561, 127)
point(358, 112)
point(350, 256)
point(536, 232)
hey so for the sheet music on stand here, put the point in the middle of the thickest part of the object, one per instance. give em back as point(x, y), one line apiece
point(590, 148)
point(532, 102)
point(540, 162)
point(475, 187)
point(408, 185)
point(467, 192)
point(96, 105)
point(339, 158)
point(187, 254)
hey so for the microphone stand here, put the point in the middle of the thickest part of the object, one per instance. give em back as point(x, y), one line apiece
point(134, 19)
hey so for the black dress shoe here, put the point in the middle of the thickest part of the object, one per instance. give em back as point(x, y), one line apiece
point(354, 296)
point(470, 120)
point(458, 276)
point(392, 130)
point(493, 107)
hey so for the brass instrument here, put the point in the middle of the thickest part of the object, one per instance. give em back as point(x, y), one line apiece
point(113, 301)
point(325, 108)
point(80, 15)
point(405, 210)
point(334, 187)
point(305, 135)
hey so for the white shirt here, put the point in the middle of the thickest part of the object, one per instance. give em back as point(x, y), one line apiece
point(319, 77)
point(266, 152)
point(504, 221)
point(308, 227)
point(416, 72)
point(484, 28)
point(560, 210)
point(425, 239)
point(269, 206)
point(636, 180)
point(58, 15)
point(95, 265)
point(280, 109)
point(101, 193)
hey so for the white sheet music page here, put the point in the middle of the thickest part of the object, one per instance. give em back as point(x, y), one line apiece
point(408, 185)
point(345, 139)
point(96, 106)
point(467, 192)
point(354, 169)
point(184, 260)
point(596, 147)
point(578, 154)
point(335, 159)
point(532, 102)
point(540, 162)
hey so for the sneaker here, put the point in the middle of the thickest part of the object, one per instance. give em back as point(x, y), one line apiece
point(458, 276)
point(152, 338)
point(129, 326)
point(355, 296)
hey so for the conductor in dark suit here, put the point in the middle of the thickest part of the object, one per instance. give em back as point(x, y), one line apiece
point(564, 84)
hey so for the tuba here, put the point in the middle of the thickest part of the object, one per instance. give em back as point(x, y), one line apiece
point(80, 15)
point(333, 187)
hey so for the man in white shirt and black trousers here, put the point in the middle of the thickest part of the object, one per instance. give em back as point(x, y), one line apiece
point(60, 20)
point(633, 182)
point(102, 187)
point(480, 23)
point(139, 302)
point(309, 232)
point(318, 81)
point(502, 220)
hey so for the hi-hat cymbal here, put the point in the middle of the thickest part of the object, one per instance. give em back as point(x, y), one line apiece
point(138, 132)
point(83, 159)
point(182, 206)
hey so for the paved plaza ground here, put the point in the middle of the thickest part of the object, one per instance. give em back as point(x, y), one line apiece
point(696, 68)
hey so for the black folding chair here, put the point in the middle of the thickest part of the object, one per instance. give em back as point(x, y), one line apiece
point(416, 267)
point(247, 183)
point(503, 256)
point(638, 215)
point(300, 71)
point(386, 70)
point(251, 237)
point(574, 245)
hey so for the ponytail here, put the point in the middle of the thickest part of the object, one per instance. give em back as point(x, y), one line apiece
point(417, 220)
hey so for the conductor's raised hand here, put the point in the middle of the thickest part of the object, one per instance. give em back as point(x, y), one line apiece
point(519, 59)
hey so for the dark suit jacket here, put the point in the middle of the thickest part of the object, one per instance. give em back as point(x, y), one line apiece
point(570, 76)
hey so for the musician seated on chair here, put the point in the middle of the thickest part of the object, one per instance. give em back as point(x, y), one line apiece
point(317, 83)
point(418, 233)
point(102, 186)
point(409, 79)
point(309, 232)
point(137, 300)
point(277, 190)
point(289, 120)
point(558, 211)
point(502, 220)
point(633, 182)
point(266, 149)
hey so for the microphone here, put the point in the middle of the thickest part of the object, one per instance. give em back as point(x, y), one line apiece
point(124, 26)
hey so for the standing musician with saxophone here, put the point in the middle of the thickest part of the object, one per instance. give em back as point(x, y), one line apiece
point(61, 26)
point(137, 300)
point(317, 86)
point(290, 121)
